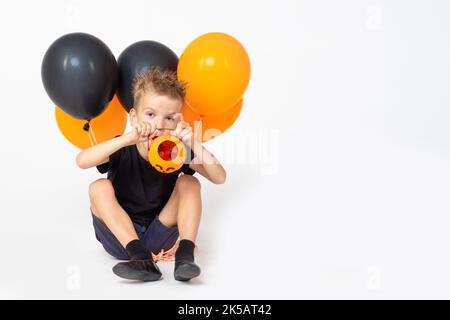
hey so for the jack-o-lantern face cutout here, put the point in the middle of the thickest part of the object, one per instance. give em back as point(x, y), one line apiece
point(167, 153)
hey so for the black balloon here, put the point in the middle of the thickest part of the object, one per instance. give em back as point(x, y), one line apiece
point(80, 74)
point(138, 58)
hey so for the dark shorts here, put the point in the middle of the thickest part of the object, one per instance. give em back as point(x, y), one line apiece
point(155, 237)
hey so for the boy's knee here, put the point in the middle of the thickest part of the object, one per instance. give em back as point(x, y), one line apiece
point(188, 181)
point(100, 187)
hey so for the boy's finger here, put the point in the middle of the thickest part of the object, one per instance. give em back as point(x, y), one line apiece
point(154, 134)
point(181, 125)
point(177, 131)
point(185, 132)
point(153, 128)
point(147, 130)
point(144, 129)
point(185, 124)
point(179, 117)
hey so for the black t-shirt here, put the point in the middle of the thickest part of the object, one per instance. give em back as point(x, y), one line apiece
point(140, 189)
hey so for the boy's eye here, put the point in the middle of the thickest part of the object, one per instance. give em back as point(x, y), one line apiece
point(170, 118)
point(151, 114)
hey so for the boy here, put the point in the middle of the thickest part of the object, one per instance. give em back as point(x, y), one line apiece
point(138, 210)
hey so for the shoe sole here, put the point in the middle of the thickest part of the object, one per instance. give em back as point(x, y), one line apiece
point(187, 272)
point(130, 274)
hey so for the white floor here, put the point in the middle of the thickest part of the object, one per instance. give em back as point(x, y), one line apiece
point(341, 232)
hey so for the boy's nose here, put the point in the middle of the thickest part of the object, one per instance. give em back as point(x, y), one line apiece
point(159, 124)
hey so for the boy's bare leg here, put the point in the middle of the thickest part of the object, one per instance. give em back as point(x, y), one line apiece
point(104, 206)
point(184, 207)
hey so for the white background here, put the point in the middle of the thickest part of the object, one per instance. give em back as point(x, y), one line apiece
point(348, 198)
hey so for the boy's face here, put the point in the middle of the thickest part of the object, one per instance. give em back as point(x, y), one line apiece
point(159, 110)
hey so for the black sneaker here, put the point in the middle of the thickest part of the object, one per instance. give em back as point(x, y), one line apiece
point(186, 270)
point(143, 270)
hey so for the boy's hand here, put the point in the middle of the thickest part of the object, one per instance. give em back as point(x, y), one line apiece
point(143, 132)
point(183, 131)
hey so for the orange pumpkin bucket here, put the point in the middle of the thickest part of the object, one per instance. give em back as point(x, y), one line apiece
point(167, 153)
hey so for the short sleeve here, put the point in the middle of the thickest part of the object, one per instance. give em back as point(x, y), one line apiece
point(103, 168)
point(185, 168)
point(113, 162)
point(111, 165)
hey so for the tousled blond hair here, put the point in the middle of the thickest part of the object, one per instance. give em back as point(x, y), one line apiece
point(160, 82)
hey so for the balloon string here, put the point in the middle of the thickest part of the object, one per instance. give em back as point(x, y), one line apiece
point(92, 132)
point(88, 128)
point(90, 139)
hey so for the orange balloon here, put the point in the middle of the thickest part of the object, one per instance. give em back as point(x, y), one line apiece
point(110, 123)
point(216, 68)
point(211, 126)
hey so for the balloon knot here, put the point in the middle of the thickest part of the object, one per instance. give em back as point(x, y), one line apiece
point(86, 126)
